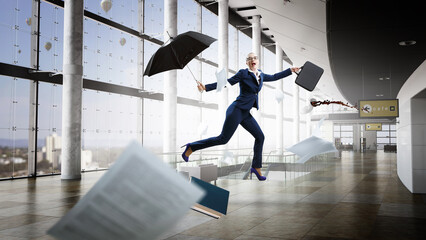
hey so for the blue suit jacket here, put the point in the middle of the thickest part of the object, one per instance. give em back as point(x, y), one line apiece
point(249, 87)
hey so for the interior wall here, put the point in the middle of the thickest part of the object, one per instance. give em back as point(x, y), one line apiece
point(411, 132)
point(418, 138)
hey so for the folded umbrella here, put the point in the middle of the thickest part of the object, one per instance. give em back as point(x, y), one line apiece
point(179, 52)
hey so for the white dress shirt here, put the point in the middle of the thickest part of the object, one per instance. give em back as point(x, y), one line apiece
point(257, 74)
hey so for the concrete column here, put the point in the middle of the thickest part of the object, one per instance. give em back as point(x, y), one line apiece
point(296, 119)
point(280, 106)
point(236, 64)
point(356, 136)
point(256, 47)
point(199, 73)
point(72, 90)
point(32, 143)
point(223, 20)
point(170, 83)
point(141, 28)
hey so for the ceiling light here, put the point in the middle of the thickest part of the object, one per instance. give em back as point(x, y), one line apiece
point(379, 95)
point(407, 43)
point(387, 78)
point(380, 78)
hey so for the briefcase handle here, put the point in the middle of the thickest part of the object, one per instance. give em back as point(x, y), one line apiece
point(299, 71)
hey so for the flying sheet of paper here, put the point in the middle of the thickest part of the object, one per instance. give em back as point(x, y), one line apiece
point(221, 79)
point(310, 147)
point(139, 197)
point(279, 95)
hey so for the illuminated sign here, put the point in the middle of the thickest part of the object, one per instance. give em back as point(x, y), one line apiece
point(378, 108)
point(373, 127)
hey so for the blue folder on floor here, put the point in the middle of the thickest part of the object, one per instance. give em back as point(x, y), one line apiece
point(309, 76)
point(215, 202)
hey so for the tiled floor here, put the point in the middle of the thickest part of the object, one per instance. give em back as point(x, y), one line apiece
point(359, 197)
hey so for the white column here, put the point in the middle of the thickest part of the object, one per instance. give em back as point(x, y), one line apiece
point(170, 83)
point(140, 70)
point(72, 90)
point(296, 119)
point(199, 73)
point(236, 64)
point(255, 46)
point(223, 19)
point(280, 106)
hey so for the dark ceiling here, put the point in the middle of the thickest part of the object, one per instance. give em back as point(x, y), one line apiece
point(366, 60)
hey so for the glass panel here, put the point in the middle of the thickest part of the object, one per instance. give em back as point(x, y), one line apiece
point(268, 101)
point(393, 134)
point(51, 37)
point(244, 46)
point(336, 128)
point(15, 32)
point(155, 82)
point(188, 124)
point(288, 133)
point(393, 127)
point(187, 16)
point(14, 132)
point(152, 125)
point(347, 128)
point(346, 134)
point(154, 18)
point(385, 127)
point(210, 28)
point(382, 134)
point(49, 144)
point(109, 55)
point(110, 122)
point(383, 140)
point(124, 12)
point(336, 134)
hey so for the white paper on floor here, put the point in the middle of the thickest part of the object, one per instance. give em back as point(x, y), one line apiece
point(310, 147)
point(221, 79)
point(140, 197)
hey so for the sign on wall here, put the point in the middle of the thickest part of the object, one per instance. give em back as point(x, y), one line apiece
point(378, 108)
point(373, 127)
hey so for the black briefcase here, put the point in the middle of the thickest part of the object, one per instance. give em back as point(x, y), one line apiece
point(309, 76)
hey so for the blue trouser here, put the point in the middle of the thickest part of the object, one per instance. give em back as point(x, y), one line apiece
point(235, 116)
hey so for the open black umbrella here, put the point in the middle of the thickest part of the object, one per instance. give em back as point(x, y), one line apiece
point(179, 52)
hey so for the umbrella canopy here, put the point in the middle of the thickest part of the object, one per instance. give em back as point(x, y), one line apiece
point(179, 52)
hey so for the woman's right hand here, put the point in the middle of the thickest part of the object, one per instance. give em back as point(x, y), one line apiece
point(201, 86)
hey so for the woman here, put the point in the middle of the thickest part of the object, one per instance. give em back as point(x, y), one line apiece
point(251, 80)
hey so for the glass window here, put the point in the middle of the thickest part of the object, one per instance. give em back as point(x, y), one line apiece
point(124, 12)
point(187, 16)
point(152, 125)
point(51, 37)
point(154, 18)
point(14, 123)
point(15, 32)
point(347, 128)
point(49, 144)
point(210, 28)
point(109, 55)
point(110, 122)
